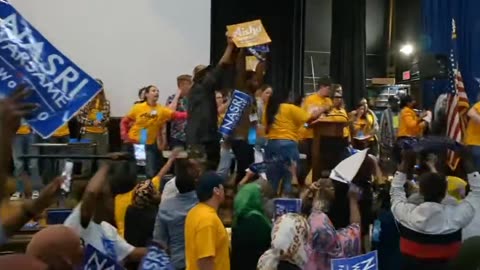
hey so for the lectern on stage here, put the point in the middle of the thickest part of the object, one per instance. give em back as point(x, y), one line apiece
point(328, 145)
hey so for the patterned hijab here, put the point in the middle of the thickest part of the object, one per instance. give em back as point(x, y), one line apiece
point(289, 243)
point(144, 194)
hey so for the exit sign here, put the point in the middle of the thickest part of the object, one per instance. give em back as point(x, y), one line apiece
point(406, 75)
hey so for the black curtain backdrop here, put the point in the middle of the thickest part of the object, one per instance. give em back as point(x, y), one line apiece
point(348, 49)
point(284, 22)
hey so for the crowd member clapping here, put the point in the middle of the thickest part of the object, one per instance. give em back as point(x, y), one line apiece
point(57, 246)
point(144, 125)
point(430, 233)
point(93, 218)
point(326, 242)
point(249, 219)
point(289, 247)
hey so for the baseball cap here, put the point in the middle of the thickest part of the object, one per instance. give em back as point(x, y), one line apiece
point(206, 183)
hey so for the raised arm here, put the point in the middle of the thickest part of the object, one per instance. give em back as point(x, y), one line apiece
point(93, 192)
point(401, 209)
point(214, 75)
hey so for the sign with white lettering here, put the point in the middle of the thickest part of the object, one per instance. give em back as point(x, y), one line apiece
point(248, 34)
point(235, 110)
point(59, 87)
point(156, 259)
point(95, 260)
point(367, 261)
point(286, 205)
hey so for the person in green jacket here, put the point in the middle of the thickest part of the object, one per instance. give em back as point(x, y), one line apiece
point(251, 228)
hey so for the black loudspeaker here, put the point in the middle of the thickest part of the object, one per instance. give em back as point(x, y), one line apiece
point(433, 66)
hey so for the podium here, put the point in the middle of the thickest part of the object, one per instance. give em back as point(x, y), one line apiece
point(327, 144)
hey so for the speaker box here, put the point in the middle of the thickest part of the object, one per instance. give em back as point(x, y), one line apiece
point(433, 66)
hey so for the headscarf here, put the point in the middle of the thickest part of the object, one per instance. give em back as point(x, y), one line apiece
point(289, 242)
point(21, 262)
point(249, 201)
point(58, 246)
point(328, 243)
point(144, 194)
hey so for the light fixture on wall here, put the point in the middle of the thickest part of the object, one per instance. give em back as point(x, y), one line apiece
point(407, 49)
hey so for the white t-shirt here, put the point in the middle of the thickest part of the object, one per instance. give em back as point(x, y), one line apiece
point(169, 190)
point(104, 237)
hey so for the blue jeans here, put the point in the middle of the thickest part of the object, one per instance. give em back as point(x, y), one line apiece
point(476, 156)
point(225, 164)
point(154, 160)
point(279, 154)
point(22, 145)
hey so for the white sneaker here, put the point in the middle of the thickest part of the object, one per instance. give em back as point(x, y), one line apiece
point(16, 196)
point(35, 194)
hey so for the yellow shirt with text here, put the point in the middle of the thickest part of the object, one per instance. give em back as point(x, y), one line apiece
point(310, 102)
point(472, 133)
point(62, 131)
point(205, 236)
point(24, 130)
point(150, 118)
point(408, 124)
point(123, 201)
point(92, 115)
point(288, 120)
point(339, 115)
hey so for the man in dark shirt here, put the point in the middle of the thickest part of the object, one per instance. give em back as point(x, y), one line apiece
point(202, 129)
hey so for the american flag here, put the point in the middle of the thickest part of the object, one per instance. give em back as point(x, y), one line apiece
point(457, 103)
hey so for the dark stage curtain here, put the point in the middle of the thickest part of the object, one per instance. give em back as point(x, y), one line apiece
point(348, 49)
point(437, 33)
point(284, 22)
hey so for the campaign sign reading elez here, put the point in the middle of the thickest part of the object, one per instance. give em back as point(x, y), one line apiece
point(60, 88)
point(235, 110)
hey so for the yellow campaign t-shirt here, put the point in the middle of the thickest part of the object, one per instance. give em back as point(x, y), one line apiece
point(62, 131)
point(205, 236)
point(309, 103)
point(339, 115)
point(24, 130)
point(408, 125)
point(123, 201)
point(287, 122)
point(92, 115)
point(150, 118)
point(472, 133)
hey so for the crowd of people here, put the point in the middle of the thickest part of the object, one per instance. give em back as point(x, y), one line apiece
point(419, 219)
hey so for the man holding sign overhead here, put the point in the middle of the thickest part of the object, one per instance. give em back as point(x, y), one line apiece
point(202, 127)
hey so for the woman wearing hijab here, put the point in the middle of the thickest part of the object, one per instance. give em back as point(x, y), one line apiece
point(141, 215)
point(288, 249)
point(326, 242)
point(249, 219)
point(57, 246)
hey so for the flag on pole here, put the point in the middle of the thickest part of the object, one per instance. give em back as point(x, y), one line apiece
point(457, 103)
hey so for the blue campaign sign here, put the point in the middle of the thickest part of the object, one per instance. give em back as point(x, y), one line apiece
point(59, 87)
point(367, 261)
point(95, 260)
point(156, 259)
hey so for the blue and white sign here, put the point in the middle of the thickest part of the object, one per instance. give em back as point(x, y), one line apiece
point(287, 205)
point(156, 259)
point(95, 260)
point(367, 261)
point(59, 87)
point(239, 103)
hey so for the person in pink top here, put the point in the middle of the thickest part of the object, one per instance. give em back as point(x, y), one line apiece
point(327, 243)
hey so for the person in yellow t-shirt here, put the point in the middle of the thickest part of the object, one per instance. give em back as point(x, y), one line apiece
point(94, 118)
point(410, 125)
point(472, 134)
point(207, 244)
point(339, 114)
point(144, 124)
point(25, 171)
point(282, 122)
point(321, 100)
point(362, 128)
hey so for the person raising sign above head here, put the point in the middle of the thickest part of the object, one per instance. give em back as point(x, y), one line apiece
point(146, 121)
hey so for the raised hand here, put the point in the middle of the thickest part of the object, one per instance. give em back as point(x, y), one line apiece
point(13, 109)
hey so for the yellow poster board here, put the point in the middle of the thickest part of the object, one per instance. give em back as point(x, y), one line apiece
point(248, 34)
point(251, 62)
